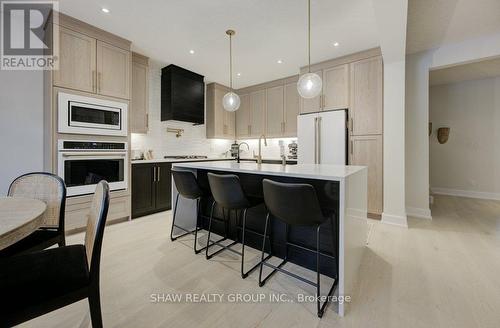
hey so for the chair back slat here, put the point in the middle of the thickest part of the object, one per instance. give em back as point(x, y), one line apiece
point(46, 187)
point(95, 224)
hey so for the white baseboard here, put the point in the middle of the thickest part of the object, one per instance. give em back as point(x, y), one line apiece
point(466, 193)
point(421, 213)
point(397, 220)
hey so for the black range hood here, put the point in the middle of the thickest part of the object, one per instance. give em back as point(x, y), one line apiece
point(182, 95)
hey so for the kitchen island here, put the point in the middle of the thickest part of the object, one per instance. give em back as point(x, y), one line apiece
point(341, 191)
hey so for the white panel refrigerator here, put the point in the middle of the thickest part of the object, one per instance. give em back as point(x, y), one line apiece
point(322, 137)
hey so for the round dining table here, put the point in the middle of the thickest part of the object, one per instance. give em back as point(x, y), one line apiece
point(19, 217)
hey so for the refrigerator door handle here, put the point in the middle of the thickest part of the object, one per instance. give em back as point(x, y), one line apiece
point(315, 140)
point(319, 140)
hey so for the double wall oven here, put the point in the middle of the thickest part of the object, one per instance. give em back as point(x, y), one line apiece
point(83, 163)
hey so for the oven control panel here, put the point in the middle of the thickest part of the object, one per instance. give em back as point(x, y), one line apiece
point(93, 145)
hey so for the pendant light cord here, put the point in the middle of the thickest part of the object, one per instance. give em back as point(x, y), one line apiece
point(231, 62)
point(309, 35)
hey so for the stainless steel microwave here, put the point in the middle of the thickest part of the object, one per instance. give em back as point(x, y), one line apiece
point(86, 115)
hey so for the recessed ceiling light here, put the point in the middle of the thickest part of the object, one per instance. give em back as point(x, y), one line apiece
point(238, 74)
point(336, 44)
point(105, 10)
point(280, 61)
point(191, 52)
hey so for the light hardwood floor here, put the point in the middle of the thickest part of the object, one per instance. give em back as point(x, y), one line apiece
point(440, 273)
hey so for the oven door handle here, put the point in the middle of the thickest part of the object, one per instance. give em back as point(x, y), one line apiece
point(93, 154)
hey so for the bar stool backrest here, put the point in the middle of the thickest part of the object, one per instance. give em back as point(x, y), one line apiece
point(186, 184)
point(227, 192)
point(293, 203)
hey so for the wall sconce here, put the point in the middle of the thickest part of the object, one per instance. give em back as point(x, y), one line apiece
point(178, 132)
point(443, 134)
point(430, 129)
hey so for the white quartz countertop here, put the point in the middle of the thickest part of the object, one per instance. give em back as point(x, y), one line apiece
point(175, 160)
point(310, 171)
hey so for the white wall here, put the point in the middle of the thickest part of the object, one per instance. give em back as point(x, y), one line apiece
point(469, 163)
point(21, 124)
point(417, 110)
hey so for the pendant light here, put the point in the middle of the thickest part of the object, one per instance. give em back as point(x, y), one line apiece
point(309, 84)
point(231, 101)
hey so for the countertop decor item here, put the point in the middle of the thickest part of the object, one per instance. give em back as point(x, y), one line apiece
point(443, 135)
point(309, 84)
point(231, 101)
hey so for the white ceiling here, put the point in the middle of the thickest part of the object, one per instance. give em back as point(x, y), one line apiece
point(435, 22)
point(472, 71)
point(265, 32)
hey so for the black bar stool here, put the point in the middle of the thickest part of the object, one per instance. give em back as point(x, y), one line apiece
point(188, 187)
point(296, 205)
point(228, 194)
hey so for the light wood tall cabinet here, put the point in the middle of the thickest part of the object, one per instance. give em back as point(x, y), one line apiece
point(220, 123)
point(139, 104)
point(92, 63)
point(366, 128)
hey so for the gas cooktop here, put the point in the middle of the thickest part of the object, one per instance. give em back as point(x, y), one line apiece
point(185, 157)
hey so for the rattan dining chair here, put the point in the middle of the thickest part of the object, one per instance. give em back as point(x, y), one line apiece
point(50, 189)
point(40, 282)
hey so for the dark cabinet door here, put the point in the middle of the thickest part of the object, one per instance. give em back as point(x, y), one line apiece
point(164, 186)
point(143, 189)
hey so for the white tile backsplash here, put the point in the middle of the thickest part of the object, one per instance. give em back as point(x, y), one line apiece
point(193, 141)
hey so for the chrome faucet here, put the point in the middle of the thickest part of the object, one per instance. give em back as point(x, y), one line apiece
point(239, 146)
point(259, 157)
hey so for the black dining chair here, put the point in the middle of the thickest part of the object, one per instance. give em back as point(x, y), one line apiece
point(187, 187)
point(36, 283)
point(228, 194)
point(50, 189)
point(296, 204)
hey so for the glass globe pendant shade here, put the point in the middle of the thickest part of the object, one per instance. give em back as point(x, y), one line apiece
point(231, 102)
point(309, 85)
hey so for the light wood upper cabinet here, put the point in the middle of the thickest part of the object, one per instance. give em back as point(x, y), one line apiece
point(77, 61)
point(139, 105)
point(219, 122)
point(313, 104)
point(291, 110)
point(113, 70)
point(336, 87)
point(91, 65)
point(274, 112)
point(243, 117)
point(229, 124)
point(366, 105)
point(367, 150)
point(257, 112)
